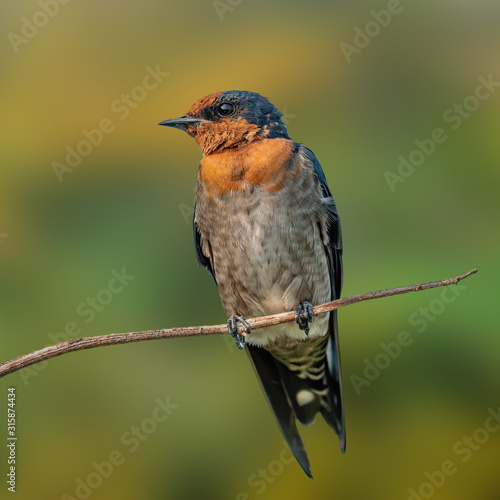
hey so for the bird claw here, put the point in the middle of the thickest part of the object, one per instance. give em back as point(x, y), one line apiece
point(304, 315)
point(235, 330)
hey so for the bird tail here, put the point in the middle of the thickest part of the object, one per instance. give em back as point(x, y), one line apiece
point(300, 379)
point(268, 372)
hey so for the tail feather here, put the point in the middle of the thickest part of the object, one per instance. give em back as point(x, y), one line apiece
point(299, 380)
point(305, 402)
point(268, 373)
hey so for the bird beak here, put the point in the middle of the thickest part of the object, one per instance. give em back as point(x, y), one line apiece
point(181, 123)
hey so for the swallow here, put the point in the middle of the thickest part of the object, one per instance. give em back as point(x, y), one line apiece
point(267, 229)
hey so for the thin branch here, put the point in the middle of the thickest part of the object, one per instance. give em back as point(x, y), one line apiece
point(190, 331)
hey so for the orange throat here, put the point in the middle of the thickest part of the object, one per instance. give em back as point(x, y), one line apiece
point(267, 163)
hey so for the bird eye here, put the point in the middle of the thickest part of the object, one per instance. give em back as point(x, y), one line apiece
point(225, 109)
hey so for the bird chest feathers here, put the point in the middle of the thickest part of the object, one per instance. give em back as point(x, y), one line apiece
point(262, 241)
point(266, 193)
point(268, 163)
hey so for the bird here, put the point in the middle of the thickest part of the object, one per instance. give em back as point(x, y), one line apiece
point(267, 229)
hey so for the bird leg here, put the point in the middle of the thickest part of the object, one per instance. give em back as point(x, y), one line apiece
point(234, 325)
point(304, 315)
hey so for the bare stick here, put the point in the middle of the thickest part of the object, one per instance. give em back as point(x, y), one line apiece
point(190, 331)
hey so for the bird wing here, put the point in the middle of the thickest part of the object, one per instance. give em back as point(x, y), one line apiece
point(334, 412)
point(203, 251)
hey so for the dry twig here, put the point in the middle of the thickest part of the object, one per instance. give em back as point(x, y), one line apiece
point(190, 331)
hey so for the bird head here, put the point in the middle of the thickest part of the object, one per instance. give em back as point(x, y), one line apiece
point(230, 119)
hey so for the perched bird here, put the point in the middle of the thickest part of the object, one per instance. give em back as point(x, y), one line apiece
point(267, 229)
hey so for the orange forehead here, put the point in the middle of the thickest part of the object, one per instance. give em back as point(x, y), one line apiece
point(204, 102)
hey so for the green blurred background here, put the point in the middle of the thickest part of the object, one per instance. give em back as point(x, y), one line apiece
point(128, 205)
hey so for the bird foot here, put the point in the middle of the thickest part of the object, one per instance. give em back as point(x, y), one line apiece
point(238, 329)
point(304, 315)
